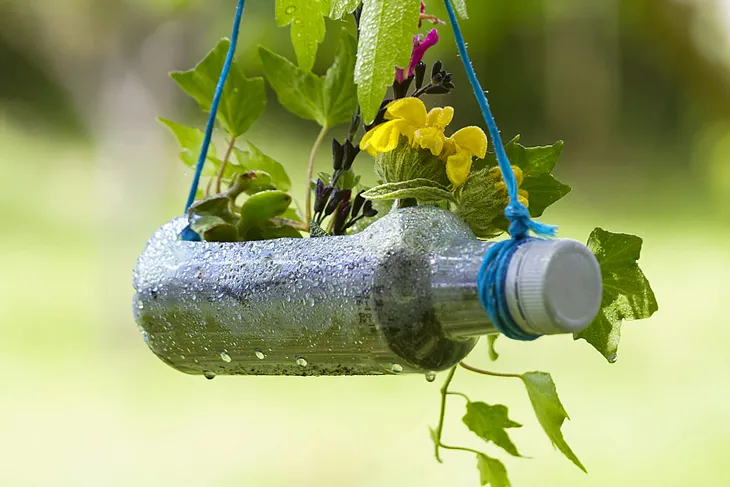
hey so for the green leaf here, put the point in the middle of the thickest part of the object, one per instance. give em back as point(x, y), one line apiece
point(329, 100)
point(316, 230)
point(492, 472)
point(493, 355)
point(421, 189)
point(258, 209)
point(255, 160)
point(191, 141)
point(537, 164)
point(250, 182)
point(460, 7)
point(490, 423)
point(307, 26)
point(387, 28)
point(340, 8)
point(549, 410)
point(340, 92)
point(627, 294)
point(299, 91)
point(215, 229)
point(218, 206)
point(244, 99)
point(544, 190)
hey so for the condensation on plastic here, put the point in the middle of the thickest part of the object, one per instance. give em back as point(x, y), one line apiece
point(399, 297)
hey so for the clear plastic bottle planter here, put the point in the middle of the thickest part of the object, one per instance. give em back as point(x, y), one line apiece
point(400, 297)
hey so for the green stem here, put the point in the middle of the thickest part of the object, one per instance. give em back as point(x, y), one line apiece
point(310, 174)
point(461, 394)
point(461, 448)
point(442, 413)
point(487, 372)
point(222, 170)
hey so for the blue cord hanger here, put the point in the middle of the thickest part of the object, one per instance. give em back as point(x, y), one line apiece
point(493, 272)
point(188, 234)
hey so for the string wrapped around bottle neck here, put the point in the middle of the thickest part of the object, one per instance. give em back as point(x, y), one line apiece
point(493, 272)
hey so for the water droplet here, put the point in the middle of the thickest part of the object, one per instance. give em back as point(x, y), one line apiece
point(146, 337)
point(290, 9)
point(225, 357)
point(430, 376)
point(396, 368)
point(260, 355)
point(209, 375)
point(301, 362)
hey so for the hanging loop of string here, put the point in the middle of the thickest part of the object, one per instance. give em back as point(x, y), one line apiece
point(491, 280)
point(188, 234)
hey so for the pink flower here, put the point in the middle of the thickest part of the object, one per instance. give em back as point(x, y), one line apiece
point(420, 46)
point(431, 18)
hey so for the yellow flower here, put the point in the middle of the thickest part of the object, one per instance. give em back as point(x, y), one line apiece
point(407, 117)
point(460, 149)
point(523, 195)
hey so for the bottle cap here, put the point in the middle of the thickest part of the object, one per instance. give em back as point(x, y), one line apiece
point(554, 286)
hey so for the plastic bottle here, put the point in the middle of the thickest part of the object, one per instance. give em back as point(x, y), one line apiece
point(400, 297)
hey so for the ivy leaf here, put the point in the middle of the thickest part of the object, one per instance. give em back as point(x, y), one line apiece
point(297, 90)
point(492, 472)
point(549, 410)
point(217, 206)
point(460, 6)
point(244, 99)
point(191, 141)
point(544, 190)
point(490, 423)
point(537, 164)
point(420, 189)
point(340, 92)
point(493, 355)
point(387, 28)
point(255, 160)
point(307, 26)
point(627, 294)
point(340, 8)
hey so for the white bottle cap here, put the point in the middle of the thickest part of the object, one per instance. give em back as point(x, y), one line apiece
point(554, 286)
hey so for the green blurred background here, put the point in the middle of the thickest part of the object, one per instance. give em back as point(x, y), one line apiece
point(639, 90)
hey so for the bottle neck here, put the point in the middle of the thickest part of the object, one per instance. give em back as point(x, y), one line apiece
point(454, 290)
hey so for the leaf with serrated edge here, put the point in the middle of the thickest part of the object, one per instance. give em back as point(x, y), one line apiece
point(460, 6)
point(339, 91)
point(387, 28)
point(340, 8)
point(420, 189)
point(543, 190)
point(549, 410)
point(492, 472)
point(244, 99)
point(297, 90)
point(190, 141)
point(307, 26)
point(627, 294)
point(490, 423)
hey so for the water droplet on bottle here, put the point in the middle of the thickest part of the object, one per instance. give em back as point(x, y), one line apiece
point(301, 362)
point(430, 376)
point(396, 368)
point(290, 9)
point(259, 354)
point(146, 337)
point(209, 375)
point(225, 357)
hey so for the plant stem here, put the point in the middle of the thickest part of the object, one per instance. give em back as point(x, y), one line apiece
point(461, 448)
point(222, 170)
point(310, 174)
point(487, 372)
point(442, 413)
point(460, 394)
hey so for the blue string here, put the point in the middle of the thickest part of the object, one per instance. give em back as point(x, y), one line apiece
point(491, 280)
point(188, 234)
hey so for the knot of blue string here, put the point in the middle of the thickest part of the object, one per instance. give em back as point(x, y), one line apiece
point(492, 276)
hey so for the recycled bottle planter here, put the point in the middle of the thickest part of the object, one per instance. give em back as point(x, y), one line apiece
point(400, 297)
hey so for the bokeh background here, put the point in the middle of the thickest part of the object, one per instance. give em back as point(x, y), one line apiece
point(638, 89)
